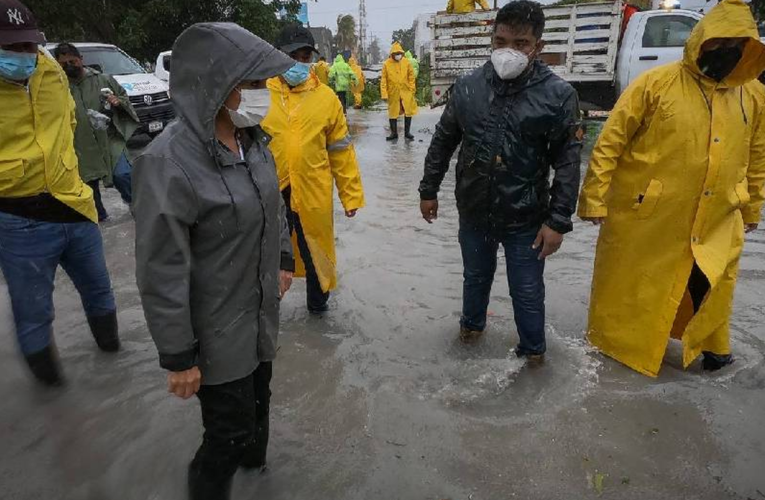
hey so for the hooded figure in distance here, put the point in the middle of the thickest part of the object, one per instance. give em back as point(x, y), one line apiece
point(213, 253)
point(398, 86)
point(675, 180)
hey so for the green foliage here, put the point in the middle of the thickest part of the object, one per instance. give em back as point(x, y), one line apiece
point(424, 90)
point(405, 38)
point(758, 8)
point(346, 38)
point(371, 96)
point(144, 28)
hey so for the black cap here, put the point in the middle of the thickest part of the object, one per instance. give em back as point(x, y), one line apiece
point(294, 37)
point(17, 24)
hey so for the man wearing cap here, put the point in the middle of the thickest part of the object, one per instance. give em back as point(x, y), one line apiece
point(313, 152)
point(47, 214)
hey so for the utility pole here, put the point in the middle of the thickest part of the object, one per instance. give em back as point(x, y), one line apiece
point(362, 32)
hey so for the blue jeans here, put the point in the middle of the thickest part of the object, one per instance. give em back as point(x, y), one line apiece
point(525, 275)
point(30, 253)
point(122, 179)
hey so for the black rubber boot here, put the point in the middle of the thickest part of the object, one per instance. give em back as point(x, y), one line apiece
point(408, 129)
point(45, 367)
point(713, 362)
point(205, 488)
point(105, 331)
point(393, 131)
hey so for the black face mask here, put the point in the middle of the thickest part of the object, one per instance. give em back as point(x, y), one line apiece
point(719, 63)
point(72, 70)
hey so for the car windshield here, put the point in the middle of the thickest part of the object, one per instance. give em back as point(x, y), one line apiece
point(110, 61)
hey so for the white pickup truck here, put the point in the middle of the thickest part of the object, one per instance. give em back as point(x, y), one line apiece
point(584, 45)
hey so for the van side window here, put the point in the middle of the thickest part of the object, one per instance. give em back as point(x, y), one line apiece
point(667, 31)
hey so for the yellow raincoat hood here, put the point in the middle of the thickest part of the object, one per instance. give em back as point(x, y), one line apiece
point(730, 19)
point(397, 48)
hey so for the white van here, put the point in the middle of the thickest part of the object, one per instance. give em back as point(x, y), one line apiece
point(148, 94)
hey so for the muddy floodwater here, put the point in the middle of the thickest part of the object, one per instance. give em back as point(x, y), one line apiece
point(379, 401)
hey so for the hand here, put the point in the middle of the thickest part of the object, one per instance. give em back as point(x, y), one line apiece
point(597, 221)
point(114, 101)
point(429, 209)
point(750, 228)
point(550, 241)
point(184, 384)
point(385, 98)
point(351, 213)
point(285, 283)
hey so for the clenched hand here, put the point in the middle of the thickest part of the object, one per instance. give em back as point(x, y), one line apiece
point(184, 384)
point(429, 209)
point(285, 283)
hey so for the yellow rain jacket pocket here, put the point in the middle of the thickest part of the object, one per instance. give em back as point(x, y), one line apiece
point(742, 192)
point(10, 172)
point(646, 202)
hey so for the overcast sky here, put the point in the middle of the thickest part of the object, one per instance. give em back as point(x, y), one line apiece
point(383, 16)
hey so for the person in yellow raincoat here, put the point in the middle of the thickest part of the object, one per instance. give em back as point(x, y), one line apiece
point(676, 179)
point(312, 147)
point(398, 87)
point(358, 87)
point(321, 69)
point(465, 6)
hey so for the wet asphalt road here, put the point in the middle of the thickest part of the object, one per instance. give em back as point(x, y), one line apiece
point(378, 401)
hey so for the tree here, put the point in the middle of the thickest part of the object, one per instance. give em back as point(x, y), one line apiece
point(144, 28)
point(375, 54)
point(346, 38)
point(405, 38)
point(758, 7)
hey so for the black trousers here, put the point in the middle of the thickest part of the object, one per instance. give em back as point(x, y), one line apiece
point(235, 417)
point(698, 287)
point(343, 96)
point(317, 299)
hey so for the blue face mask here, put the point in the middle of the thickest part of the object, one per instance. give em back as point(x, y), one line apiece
point(17, 66)
point(298, 74)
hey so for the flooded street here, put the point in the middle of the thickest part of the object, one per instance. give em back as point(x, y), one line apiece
point(379, 401)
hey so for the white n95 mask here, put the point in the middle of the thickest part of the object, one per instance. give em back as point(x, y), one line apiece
point(253, 108)
point(509, 63)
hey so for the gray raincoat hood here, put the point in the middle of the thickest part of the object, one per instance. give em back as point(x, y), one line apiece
point(211, 227)
point(209, 61)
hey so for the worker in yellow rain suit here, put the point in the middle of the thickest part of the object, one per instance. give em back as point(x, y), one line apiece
point(676, 179)
point(398, 87)
point(321, 69)
point(465, 6)
point(358, 87)
point(312, 147)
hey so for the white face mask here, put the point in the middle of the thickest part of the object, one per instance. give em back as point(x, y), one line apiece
point(509, 63)
point(398, 57)
point(253, 108)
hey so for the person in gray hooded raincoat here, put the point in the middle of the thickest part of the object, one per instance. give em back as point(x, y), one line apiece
point(213, 254)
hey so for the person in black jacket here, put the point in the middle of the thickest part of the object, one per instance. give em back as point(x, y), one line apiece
point(515, 120)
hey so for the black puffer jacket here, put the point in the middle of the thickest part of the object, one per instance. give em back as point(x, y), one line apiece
point(511, 135)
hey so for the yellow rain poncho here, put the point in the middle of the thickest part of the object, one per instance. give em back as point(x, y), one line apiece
point(398, 85)
point(358, 87)
point(312, 147)
point(677, 172)
point(321, 69)
point(465, 6)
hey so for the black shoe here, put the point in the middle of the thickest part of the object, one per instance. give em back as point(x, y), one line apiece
point(45, 367)
point(105, 331)
point(318, 310)
point(713, 362)
point(407, 129)
point(393, 131)
point(202, 487)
